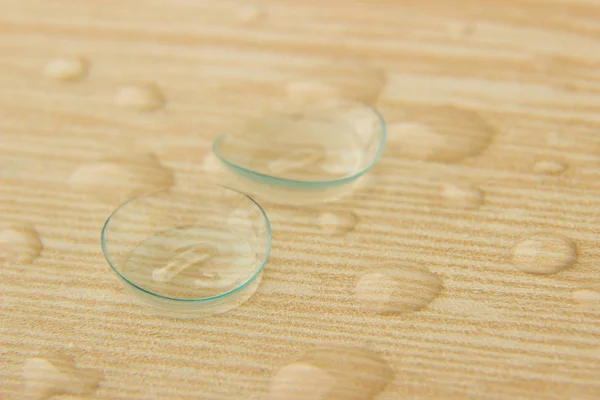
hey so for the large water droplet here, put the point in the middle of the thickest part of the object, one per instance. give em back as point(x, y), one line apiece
point(437, 133)
point(588, 296)
point(118, 179)
point(397, 289)
point(143, 97)
point(465, 196)
point(67, 68)
point(57, 374)
point(317, 384)
point(549, 167)
point(332, 373)
point(544, 254)
point(19, 244)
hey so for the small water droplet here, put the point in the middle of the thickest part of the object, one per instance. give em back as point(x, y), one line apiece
point(465, 196)
point(588, 296)
point(67, 68)
point(332, 373)
point(337, 223)
point(57, 374)
point(440, 134)
point(143, 97)
point(544, 254)
point(118, 179)
point(405, 288)
point(549, 167)
point(19, 244)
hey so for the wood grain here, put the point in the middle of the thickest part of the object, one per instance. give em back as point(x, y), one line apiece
point(527, 69)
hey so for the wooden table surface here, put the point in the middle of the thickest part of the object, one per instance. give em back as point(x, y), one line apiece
point(477, 231)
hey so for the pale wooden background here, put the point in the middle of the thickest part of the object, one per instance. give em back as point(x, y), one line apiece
point(529, 69)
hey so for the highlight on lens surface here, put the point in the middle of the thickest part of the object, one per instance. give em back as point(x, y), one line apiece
point(198, 251)
point(317, 146)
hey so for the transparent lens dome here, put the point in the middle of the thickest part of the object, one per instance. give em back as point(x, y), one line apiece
point(193, 252)
point(317, 146)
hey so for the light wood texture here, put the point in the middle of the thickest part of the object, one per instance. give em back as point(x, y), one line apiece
point(83, 81)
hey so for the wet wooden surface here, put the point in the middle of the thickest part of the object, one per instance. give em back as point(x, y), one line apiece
point(467, 267)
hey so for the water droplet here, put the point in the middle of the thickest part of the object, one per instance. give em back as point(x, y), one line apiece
point(316, 383)
point(588, 296)
point(19, 244)
point(143, 97)
point(399, 289)
point(249, 13)
point(549, 167)
point(67, 68)
point(464, 196)
point(332, 373)
point(118, 179)
point(440, 134)
point(57, 374)
point(544, 254)
point(337, 223)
